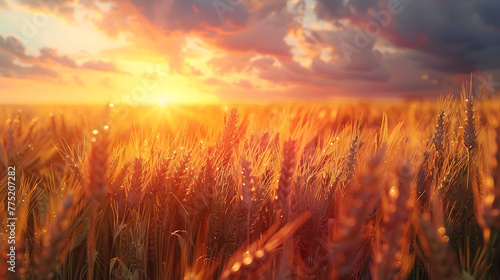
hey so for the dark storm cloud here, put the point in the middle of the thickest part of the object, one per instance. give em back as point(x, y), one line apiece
point(488, 10)
point(332, 9)
point(456, 35)
point(207, 16)
point(459, 36)
point(264, 9)
point(192, 15)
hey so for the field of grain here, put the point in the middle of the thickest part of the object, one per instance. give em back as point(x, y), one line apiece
point(394, 190)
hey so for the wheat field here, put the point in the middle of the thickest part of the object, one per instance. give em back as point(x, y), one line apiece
point(353, 190)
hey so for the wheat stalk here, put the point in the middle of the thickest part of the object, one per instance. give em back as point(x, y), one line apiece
point(470, 133)
point(134, 193)
point(286, 181)
point(96, 187)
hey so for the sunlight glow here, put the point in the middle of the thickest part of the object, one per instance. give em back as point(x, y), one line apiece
point(163, 101)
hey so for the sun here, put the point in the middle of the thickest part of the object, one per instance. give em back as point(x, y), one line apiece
point(163, 101)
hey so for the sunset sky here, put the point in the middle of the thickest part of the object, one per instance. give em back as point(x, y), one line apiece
point(209, 51)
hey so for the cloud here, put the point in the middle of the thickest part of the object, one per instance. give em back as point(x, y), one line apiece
point(242, 26)
point(207, 17)
point(13, 45)
point(451, 36)
point(283, 46)
point(332, 71)
point(245, 84)
point(488, 10)
point(100, 65)
point(286, 73)
point(440, 40)
point(195, 72)
point(51, 54)
point(37, 3)
point(332, 9)
point(266, 9)
point(230, 62)
point(10, 69)
point(118, 19)
point(78, 81)
point(106, 82)
point(194, 15)
point(458, 38)
point(63, 8)
point(15, 63)
point(262, 63)
point(262, 37)
point(213, 81)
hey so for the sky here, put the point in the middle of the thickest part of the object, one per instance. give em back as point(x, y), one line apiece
point(211, 51)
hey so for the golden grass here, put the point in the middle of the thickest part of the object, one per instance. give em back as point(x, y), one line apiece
point(406, 190)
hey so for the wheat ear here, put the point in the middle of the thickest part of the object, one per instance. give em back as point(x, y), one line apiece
point(285, 185)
